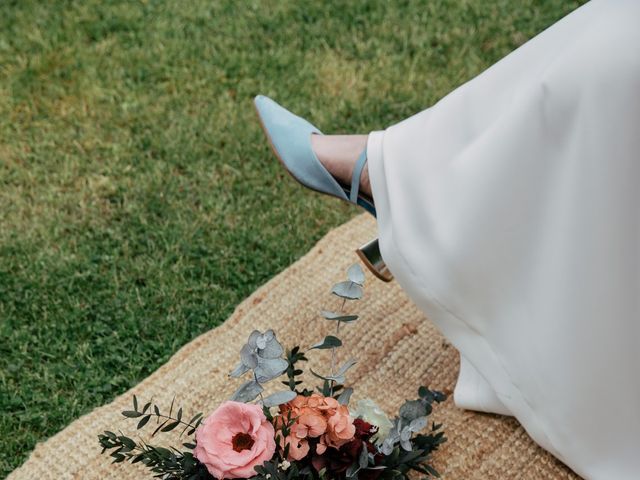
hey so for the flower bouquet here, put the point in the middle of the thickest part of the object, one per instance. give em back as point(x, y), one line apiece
point(295, 432)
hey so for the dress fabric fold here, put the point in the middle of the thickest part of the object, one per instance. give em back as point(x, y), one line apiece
point(509, 211)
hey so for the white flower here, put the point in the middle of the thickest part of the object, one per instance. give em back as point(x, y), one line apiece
point(274, 411)
point(368, 411)
point(285, 465)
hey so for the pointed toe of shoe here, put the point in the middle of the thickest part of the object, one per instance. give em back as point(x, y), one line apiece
point(290, 137)
point(261, 102)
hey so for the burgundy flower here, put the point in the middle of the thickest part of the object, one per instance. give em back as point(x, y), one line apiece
point(337, 460)
point(364, 430)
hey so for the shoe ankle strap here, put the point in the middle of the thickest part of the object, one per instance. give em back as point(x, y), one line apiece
point(355, 176)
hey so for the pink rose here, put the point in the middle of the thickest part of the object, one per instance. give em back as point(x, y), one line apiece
point(235, 438)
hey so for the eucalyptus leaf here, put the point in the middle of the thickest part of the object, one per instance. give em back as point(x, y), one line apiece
point(260, 346)
point(340, 379)
point(406, 445)
point(279, 398)
point(363, 461)
point(387, 447)
point(271, 349)
point(345, 396)
point(413, 409)
point(271, 368)
point(339, 317)
point(248, 356)
point(264, 338)
point(346, 366)
point(240, 370)
point(347, 289)
point(318, 375)
point(418, 424)
point(253, 339)
point(355, 274)
point(329, 342)
point(268, 346)
point(352, 471)
point(439, 396)
point(247, 392)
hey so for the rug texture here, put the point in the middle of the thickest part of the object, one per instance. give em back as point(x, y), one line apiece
point(397, 347)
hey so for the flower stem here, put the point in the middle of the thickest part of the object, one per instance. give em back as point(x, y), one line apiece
point(333, 350)
point(186, 424)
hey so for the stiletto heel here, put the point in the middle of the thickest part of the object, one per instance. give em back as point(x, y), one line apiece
point(290, 138)
point(370, 255)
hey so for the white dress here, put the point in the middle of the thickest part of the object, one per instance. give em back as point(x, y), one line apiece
point(510, 213)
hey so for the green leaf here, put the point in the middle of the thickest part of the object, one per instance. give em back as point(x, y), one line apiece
point(119, 458)
point(159, 427)
point(131, 414)
point(432, 471)
point(135, 403)
point(126, 441)
point(170, 427)
point(329, 342)
point(143, 421)
point(195, 418)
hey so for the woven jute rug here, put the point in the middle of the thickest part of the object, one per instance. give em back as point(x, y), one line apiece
point(397, 347)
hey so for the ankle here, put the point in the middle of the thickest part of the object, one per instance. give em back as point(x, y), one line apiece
point(365, 184)
point(338, 154)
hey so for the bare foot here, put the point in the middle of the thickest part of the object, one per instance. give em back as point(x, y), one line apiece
point(338, 154)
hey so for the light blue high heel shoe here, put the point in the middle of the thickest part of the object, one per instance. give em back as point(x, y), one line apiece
point(290, 138)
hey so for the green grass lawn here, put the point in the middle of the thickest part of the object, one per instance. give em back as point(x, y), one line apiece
point(139, 201)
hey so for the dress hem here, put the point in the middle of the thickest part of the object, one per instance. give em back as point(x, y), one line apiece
point(465, 338)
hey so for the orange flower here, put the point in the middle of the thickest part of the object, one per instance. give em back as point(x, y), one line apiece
point(340, 429)
point(315, 417)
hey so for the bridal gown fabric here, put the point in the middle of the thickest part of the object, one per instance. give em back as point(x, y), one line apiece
point(510, 213)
